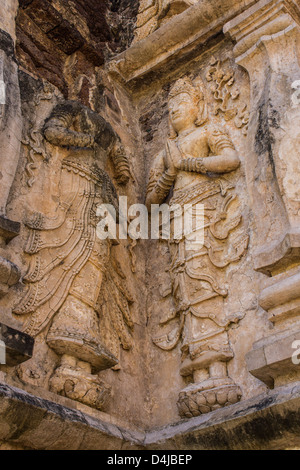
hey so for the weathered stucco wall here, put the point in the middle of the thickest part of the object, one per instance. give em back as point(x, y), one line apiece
point(150, 343)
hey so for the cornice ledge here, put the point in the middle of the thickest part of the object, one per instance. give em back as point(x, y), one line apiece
point(265, 422)
point(192, 27)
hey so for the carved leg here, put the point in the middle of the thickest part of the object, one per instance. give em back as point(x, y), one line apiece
point(74, 335)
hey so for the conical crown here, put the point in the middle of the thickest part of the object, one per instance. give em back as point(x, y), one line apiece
point(185, 85)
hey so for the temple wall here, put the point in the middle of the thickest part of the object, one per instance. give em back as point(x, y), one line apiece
point(163, 104)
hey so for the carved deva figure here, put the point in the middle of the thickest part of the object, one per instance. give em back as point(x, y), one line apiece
point(68, 261)
point(193, 161)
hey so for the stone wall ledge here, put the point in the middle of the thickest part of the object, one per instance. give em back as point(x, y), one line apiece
point(266, 422)
point(193, 27)
point(40, 424)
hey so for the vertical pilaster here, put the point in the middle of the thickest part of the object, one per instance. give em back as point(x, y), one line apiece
point(267, 39)
point(10, 136)
point(10, 103)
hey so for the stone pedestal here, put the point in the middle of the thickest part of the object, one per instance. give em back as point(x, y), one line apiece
point(74, 379)
point(212, 387)
point(207, 396)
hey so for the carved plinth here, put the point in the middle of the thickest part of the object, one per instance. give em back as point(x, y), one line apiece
point(274, 360)
point(208, 396)
point(77, 383)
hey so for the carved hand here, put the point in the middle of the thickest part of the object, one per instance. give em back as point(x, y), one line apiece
point(172, 157)
point(121, 163)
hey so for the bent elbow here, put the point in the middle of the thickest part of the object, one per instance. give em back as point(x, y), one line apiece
point(236, 163)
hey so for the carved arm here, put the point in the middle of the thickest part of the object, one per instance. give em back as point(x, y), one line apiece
point(160, 181)
point(57, 133)
point(216, 164)
point(224, 159)
point(121, 163)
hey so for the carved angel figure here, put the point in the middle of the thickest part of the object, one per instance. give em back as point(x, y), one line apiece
point(193, 162)
point(68, 261)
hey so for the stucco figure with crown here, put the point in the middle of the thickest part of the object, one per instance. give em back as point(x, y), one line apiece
point(194, 161)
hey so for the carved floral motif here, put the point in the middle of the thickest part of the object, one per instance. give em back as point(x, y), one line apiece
point(227, 95)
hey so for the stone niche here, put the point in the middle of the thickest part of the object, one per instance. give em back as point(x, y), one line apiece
point(150, 344)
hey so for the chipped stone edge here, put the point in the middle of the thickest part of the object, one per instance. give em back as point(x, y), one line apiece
point(265, 406)
point(73, 421)
point(195, 433)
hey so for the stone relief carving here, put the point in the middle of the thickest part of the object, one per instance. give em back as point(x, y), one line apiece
point(194, 161)
point(69, 265)
point(226, 95)
point(35, 140)
point(153, 13)
point(267, 45)
point(114, 304)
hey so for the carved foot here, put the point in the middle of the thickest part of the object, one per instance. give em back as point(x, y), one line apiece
point(208, 396)
point(80, 385)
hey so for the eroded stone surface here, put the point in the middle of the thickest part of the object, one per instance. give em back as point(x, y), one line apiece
point(179, 102)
